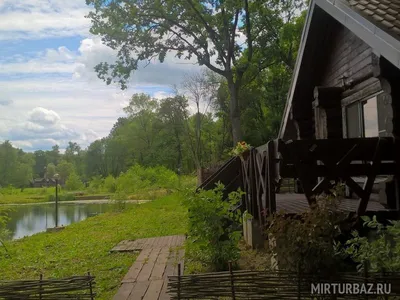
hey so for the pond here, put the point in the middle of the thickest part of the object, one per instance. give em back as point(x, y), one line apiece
point(26, 220)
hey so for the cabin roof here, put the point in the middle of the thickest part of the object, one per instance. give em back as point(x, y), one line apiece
point(376, 22)
point(383, 13)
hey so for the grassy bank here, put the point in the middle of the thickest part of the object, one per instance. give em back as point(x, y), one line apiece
point(85, 246)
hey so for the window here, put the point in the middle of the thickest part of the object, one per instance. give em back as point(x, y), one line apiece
point(362, 119)
point(370, 116)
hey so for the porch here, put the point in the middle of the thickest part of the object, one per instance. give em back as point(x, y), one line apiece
point(368, 167)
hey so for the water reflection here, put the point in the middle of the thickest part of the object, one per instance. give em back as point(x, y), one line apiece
point(26, 220)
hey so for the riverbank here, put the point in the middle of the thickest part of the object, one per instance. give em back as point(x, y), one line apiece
point(94, 201)
point(85, 246)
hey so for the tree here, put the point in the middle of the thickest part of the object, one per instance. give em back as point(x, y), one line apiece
point(95, 159)
point(205, 30)
point(40, 163)
point(64, 169)
point(173, 113)
point(54, 155)
point(50, 170)
point(202, 88)
point(73, 182)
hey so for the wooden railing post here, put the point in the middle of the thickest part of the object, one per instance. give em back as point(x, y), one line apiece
point(179, 281)
point(90, 286)
point(232, 281)
point(40, 286)
point(366, 276)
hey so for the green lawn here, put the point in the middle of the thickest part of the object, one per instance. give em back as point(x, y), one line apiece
point(85, 246)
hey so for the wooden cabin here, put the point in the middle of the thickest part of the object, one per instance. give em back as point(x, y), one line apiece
point(341, 121)
point(42, 182)
point(345, 93)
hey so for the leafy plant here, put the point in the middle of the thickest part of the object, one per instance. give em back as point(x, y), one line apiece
point(110, 184)
point(213, 227)
point(73, 182)
point(306, 243)
point(380, 251)
point(4, 232)
point(119, 201)
point(240, 148)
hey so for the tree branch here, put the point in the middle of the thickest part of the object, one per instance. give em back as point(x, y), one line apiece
point(248, 31)
point(213, 35)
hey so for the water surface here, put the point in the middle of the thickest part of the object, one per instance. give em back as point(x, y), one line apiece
point(26, 220)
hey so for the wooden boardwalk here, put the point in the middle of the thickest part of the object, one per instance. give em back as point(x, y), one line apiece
point(147, 278)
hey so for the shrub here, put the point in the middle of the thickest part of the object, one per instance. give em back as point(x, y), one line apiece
point(73, 182)
point(61, 197)
point(213, 227)
point(380, 252)
point(119, 201)
point(96, 184)
point(139, 178)
point(4, 232)
point(109, 184)
point(305, 243)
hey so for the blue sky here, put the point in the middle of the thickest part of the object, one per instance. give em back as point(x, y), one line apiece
point(49, 92)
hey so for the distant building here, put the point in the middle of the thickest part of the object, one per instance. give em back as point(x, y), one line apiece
point(43, 182)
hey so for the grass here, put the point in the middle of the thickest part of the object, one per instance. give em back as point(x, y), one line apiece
point(28, 195)
point(85, 246)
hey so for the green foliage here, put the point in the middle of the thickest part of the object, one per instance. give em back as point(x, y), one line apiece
point(64, 169)
point(213, 227)
point(380, 251)
point(306, 243)
point(110, 184)
point(139, 178)
point(4, 233)
point(73, 182)
point(61, 197)
point(96, 184)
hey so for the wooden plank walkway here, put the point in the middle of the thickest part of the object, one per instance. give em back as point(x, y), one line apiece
point(147, 278)
point(149, 243)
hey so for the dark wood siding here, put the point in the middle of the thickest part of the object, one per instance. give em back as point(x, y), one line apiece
point(349, 57)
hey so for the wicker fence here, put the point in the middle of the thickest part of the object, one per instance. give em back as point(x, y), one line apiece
point(76, 287)
point(277, 285)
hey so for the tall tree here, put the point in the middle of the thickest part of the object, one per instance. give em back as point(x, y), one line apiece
point(201, 88)
point(40, 163)
point(207, 30)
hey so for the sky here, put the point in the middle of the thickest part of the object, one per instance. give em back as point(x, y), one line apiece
point(49, 92)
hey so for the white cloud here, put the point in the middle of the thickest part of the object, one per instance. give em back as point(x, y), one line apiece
point(42, 116)
point(43, 128)
point(35, 19)
point(161, 95)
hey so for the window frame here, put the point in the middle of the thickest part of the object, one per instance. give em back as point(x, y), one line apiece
point(361, 120)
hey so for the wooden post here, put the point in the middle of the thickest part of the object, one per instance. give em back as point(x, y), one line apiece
point(366, 276)
point(298, 281)
point(232, 282)
point(385, 281)
point(40, 286)
point(179, 281)
point(90, 287)
point(56, 202)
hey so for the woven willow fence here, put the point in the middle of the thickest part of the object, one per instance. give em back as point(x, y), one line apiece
point(76, 287)
point(271, 285)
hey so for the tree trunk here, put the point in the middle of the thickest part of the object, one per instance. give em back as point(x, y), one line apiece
point(235, 112)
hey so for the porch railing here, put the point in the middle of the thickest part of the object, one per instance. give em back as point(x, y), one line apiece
point(319, 165)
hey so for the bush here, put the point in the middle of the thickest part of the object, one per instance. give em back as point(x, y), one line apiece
point(4, 232)
point(96, 184)
point(306, 242)
point(73, 182)
point(61, 197)
point(109, 184)
point(213, 227)
point(379, 253)
point(139, 178)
